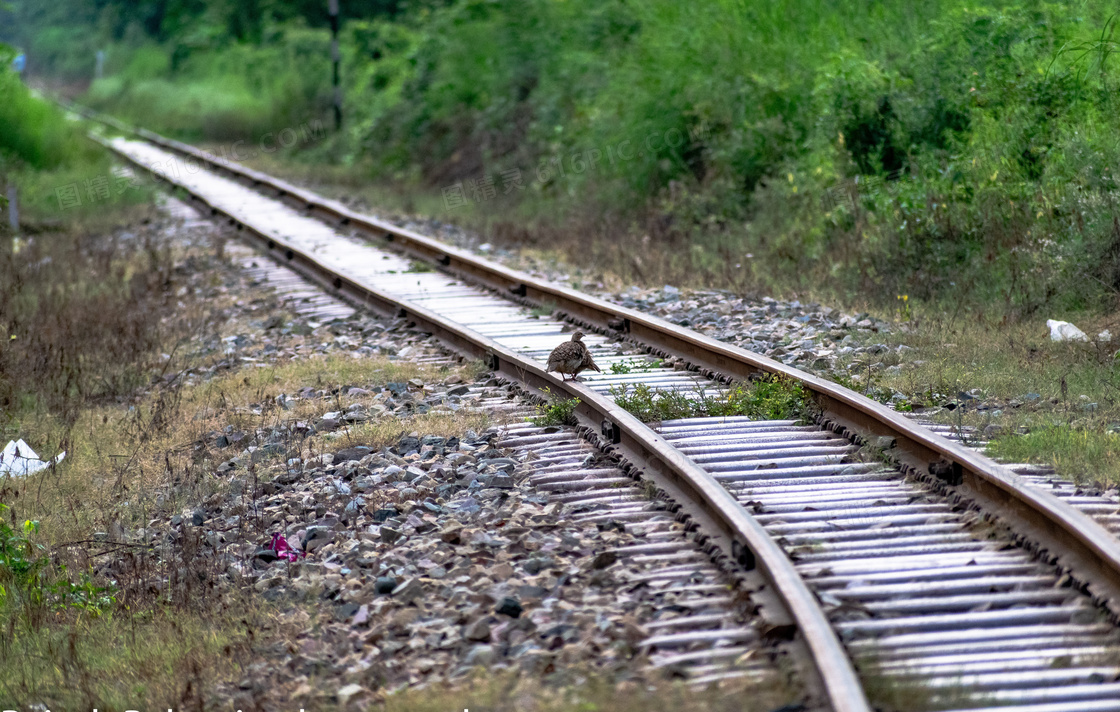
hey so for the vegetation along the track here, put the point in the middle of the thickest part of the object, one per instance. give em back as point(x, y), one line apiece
point(943, 150)
point(958, 155)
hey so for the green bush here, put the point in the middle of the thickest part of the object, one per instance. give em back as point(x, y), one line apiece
point(61, 175)
point(239, 91)
point(31, 131)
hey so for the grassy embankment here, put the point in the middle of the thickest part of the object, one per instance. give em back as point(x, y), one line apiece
point(81, 326)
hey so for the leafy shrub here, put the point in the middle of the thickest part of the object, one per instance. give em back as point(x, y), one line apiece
point(944, 150)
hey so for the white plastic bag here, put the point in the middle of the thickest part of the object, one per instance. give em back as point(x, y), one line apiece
point(19, 460)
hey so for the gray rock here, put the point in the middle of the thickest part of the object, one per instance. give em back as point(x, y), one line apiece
point(351, 453)
point(604, 559)
point(478, 630)
point(316, 538)
point(451, 533)
point(407, 590)
point(480, 655)
point(509, 606)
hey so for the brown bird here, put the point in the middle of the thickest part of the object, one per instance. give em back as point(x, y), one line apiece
point(571, 357)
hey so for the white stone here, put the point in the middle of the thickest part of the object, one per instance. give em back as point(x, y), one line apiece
point(1065, 331)
point(345, 694)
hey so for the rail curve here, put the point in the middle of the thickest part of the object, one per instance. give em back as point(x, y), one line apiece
point(1069, 537)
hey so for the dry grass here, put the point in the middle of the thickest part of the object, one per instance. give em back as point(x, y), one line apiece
point(81, 317)
point(144, 660)
point(130, 463)
point(588, 693)
point(90, 314)
point(137, 452)
point(387, 431)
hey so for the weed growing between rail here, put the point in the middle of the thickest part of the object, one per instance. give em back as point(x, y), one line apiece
point(557, 411)
point(635, 365)
point(1085, 453)
point(886, 692)
point(769, 398)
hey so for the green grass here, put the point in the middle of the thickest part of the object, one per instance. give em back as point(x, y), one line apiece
point(557, 411)
point(243, 92)
point(764, 399)
point(62, 178)
point(1003, 380)
point(1087, 453)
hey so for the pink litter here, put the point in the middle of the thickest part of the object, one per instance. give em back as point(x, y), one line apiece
point(283, 549)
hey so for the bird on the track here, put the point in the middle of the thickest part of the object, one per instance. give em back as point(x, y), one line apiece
point(571, 357)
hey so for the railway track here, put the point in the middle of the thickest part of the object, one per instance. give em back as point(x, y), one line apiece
point(689, 612)
point(915, 568)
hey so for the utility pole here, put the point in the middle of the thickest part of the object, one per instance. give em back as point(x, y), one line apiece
point(336, 58)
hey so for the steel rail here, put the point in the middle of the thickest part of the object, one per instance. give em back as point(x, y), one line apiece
point(1076, 541)
point(730, 527)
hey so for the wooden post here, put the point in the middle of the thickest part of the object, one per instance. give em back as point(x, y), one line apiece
point(336, 58)
point(13, 208)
